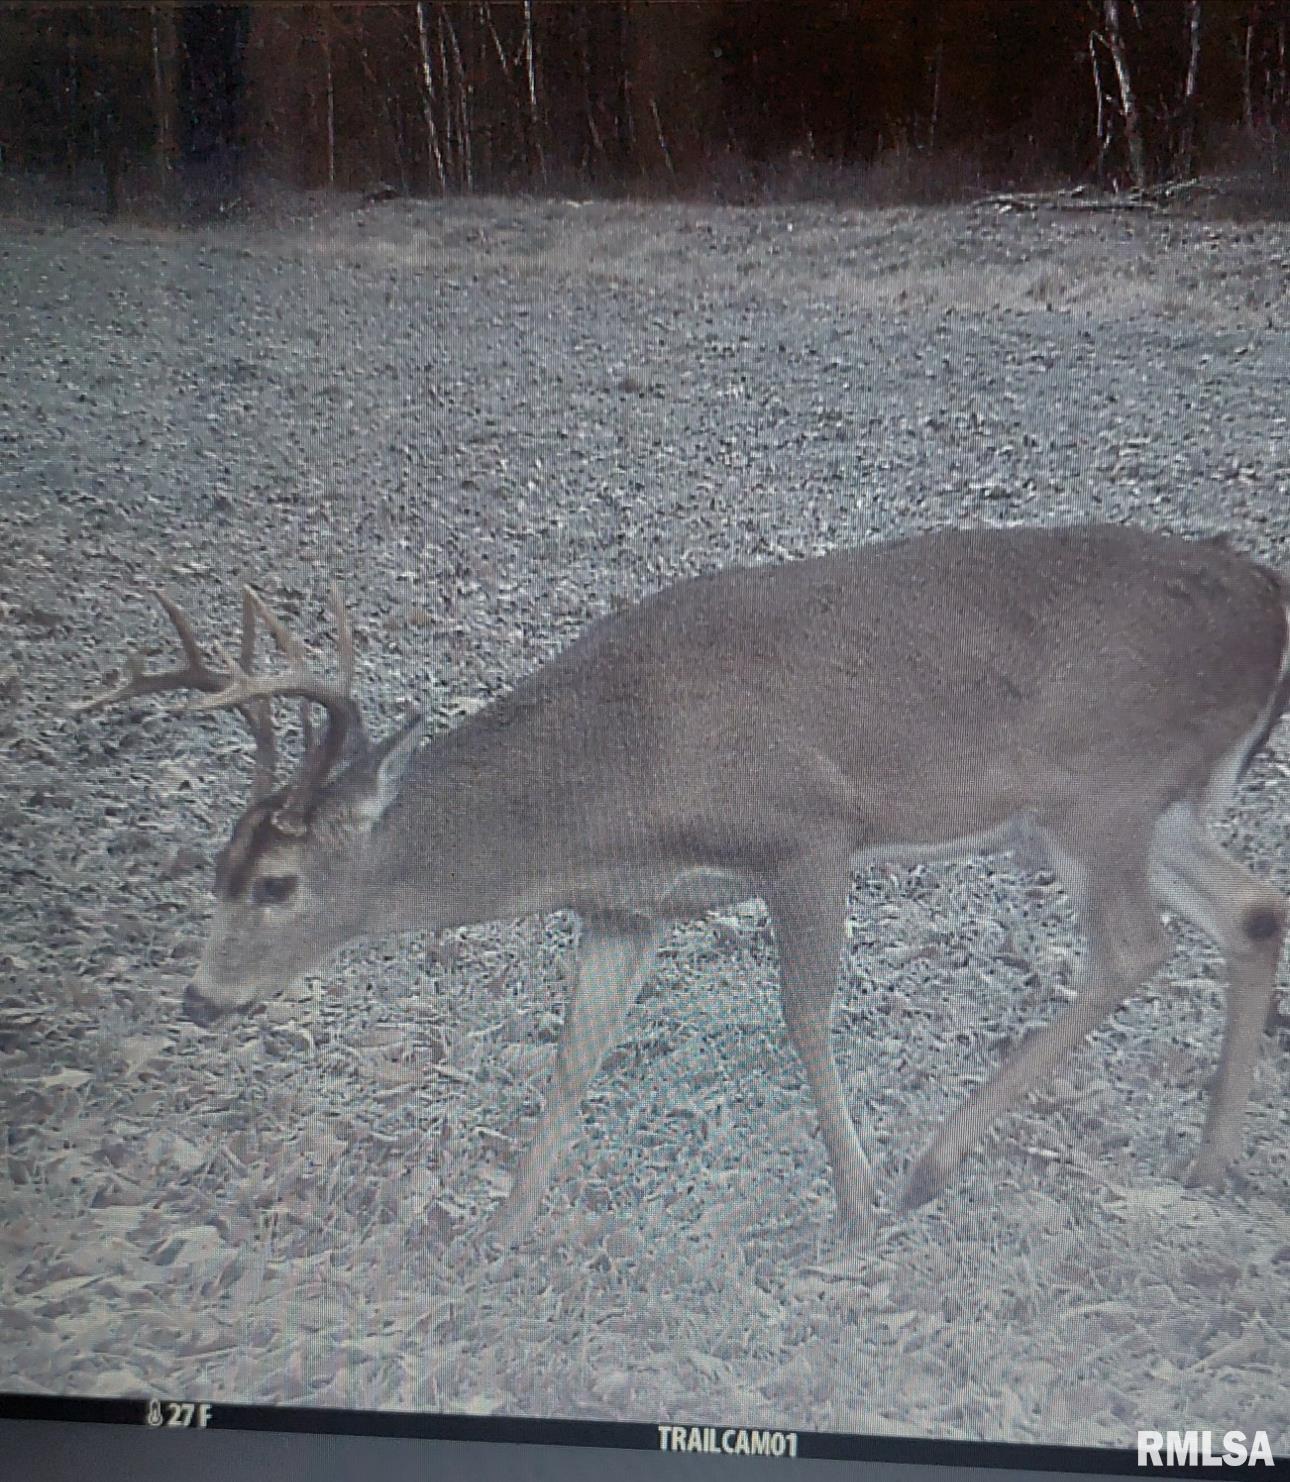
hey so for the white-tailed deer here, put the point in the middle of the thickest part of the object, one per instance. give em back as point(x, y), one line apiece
point(1095, 692)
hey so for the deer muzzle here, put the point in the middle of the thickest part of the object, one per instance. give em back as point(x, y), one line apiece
point(202, 1010)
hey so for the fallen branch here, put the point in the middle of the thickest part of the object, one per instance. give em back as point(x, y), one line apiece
point(1079, 198)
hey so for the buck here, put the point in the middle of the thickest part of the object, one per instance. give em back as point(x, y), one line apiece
point(1091, 693)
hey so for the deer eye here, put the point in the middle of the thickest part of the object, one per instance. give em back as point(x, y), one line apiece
point(273, 890)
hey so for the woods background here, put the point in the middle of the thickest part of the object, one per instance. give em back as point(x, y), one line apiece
point(921, 99)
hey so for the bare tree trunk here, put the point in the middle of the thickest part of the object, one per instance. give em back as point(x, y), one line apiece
point(530, 70)
point(463, 112)
point(1128, 100)
point(106, 117)
point(428, 99)
point(664, 151)
point(594, 153)
point(1185, 162)
point(1247, 79)
point(626, 89)
point(486, 15)
point(1283, 79)
point(385, 119)
point(331, 99)
point(936, 97)
point(1103, 135)
point(71, 94)
point(1283, 82)
point(452, 147)
point(164, 39)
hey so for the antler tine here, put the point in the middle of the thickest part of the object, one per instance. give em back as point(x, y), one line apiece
point(288, 645)
point(195, 673)
point(282, 635)
point(344, 636)
point(187, 639)
point(245, 689)
point(320, 760)
point(258, 714)
point(246, 652)
point(242, 688)
point(237, 687)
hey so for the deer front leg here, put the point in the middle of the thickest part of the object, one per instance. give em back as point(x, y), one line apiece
point(808, 909)
point(614, 956)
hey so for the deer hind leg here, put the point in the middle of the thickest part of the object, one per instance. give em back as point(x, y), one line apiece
point(614, 956)
point(1105, 869)
point(1246, 920)
point(808, 910)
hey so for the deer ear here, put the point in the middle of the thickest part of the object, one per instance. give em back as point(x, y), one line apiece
point(387, 765)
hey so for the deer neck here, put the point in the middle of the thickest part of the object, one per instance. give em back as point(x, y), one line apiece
point(470, 839)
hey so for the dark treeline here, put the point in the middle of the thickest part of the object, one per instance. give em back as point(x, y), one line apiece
point(712, 95)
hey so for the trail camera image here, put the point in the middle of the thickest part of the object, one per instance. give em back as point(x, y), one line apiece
point(642, 711)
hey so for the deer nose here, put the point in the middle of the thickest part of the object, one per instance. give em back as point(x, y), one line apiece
point(201, 1010)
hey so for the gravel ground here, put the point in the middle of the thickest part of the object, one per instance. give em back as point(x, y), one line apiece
point(493, 421)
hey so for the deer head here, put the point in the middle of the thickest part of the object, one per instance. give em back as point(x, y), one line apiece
point(292, 882)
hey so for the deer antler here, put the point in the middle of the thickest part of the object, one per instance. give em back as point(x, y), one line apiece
point(244, 690)
point(235, 686)
point(196, 674)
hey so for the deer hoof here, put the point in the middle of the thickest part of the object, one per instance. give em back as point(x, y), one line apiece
point(1207, 1171)
point(926, 1179)
point(854, 1227)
